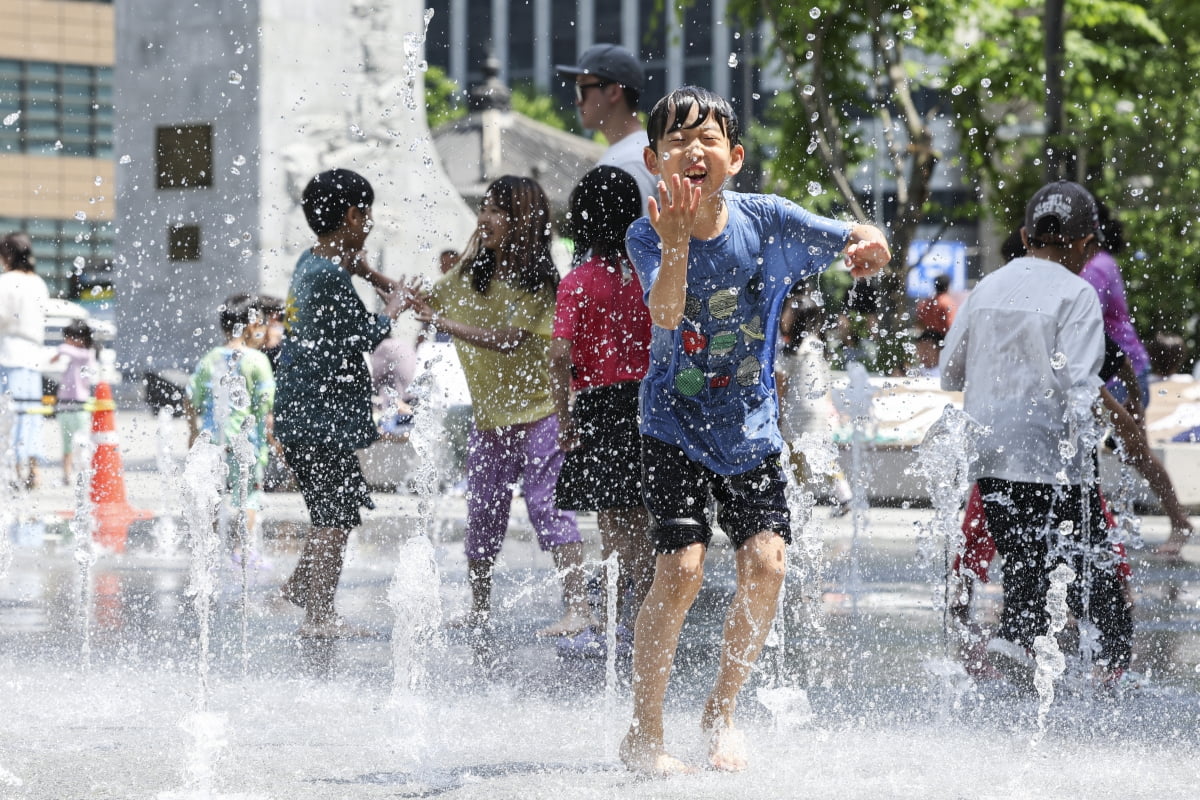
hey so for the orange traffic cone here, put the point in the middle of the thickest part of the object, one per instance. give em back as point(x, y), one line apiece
point(112, 509)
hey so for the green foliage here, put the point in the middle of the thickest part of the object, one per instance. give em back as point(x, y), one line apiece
point(1130, 96)
point(1129, 99)
point(528, 100)
point(444, 101)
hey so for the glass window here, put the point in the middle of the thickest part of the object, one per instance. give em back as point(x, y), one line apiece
point(183, 156)
point(183, 243)
point(69, 103)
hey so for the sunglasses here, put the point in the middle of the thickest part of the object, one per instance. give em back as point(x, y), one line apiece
point(581, 89)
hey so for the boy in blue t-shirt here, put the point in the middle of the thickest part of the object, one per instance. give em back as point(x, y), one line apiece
point(716, 266)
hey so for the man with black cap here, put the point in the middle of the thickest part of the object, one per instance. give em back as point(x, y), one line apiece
point(608, 84)
point(1026, 348)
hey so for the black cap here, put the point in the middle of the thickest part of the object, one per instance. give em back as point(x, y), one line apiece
point(1061, 212)
point(609, 62)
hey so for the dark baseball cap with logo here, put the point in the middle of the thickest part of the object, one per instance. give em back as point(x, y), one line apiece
point(611, 63)
point(1061, 212)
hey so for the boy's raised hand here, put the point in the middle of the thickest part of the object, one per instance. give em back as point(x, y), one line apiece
point(868, 251)
point(673, 213)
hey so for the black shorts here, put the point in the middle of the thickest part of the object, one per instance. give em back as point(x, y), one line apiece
point(605, 470)
point(676, 491)
point(331, 483)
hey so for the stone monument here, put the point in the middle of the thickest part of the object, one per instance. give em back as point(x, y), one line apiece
point(223, 113)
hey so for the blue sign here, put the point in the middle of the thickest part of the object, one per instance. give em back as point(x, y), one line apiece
point(926, 261)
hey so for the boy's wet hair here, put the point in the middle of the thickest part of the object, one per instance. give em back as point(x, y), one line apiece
point(78, 330)
point(330, 194)
point(235, 313)
point(604, 204)
point(675, 108)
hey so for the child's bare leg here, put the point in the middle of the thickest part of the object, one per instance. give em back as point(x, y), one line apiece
point(761, 565)
point(626, 532)
point(325, 550)
point(479, 575)
point(568, 561)
point(677, 580)
point(637, 559)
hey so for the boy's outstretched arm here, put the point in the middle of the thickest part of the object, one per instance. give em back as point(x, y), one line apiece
point(673, 221)
point(868, 251)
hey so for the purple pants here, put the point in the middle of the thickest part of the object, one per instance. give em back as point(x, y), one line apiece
point(501, 457)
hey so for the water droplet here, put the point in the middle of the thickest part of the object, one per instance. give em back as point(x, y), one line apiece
point(355, 130)
point(230, 219)
point(809, 90)
point(79, 262)
point(814, 12)
point(1066, 448)
point(12, 118)
point(239, 160)
point(125, 159)
point(957, 90)
point(1058, 360)
point(79, 215)
point(99, 180)
point(733, 60)
point(235, 77)
point(58, 145)
point(814, 189)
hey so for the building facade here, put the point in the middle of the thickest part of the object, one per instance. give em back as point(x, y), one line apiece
point(224, 114)
point(56, 141)
point(677, 45)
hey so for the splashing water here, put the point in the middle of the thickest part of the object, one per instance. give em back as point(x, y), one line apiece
point(204, 474)
point(799, 618)
point(413, 64)
point(944, 460)
point(8, 506)
point(1050, 660)
point(203, 478)
point(166, 536)
point(856, 401)
point(415, 598)
point(8, 516)
point(83, 530)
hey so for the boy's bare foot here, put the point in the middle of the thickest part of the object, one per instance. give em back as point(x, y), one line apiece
point(726, 748)
point(571, 624)
point(649, 758)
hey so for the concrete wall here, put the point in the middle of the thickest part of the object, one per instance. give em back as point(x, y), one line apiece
point(322, 83)
point(175, 69)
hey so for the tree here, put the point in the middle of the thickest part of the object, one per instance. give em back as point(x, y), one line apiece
point(1129, 131)
point(1128, 128)
point(445, 102)
point(860, 93)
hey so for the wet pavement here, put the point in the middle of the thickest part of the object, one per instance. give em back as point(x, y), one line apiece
point(104, 691)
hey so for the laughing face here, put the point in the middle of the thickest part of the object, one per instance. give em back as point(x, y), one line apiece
point(493, 224)
point(700, 154)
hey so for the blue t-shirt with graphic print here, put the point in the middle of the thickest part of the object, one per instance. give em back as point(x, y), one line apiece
point(710, 390)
